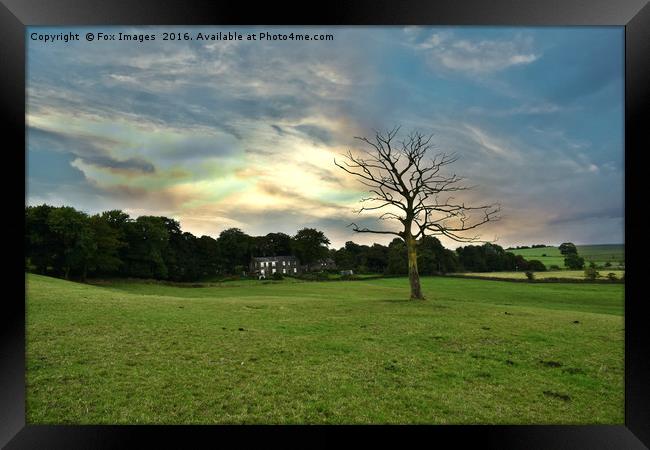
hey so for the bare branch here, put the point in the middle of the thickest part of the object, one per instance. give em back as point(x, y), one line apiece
point(366, 230)
point(401, 174)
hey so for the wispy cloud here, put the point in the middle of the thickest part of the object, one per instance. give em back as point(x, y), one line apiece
point(475, 56)
point(526, 109)
point(491, 145)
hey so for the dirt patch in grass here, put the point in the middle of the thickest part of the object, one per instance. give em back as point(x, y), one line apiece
point(550, 363)
point(557, 395)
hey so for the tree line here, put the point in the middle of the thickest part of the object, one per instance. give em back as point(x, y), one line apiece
point(68, 243)
point(65, 242)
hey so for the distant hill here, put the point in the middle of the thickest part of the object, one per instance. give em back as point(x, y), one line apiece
point(599, 254)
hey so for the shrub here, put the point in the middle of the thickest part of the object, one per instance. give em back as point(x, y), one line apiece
point(554, 267)
point(349, 277)
point(535, 265)
point(611, 276)
point(277, 276)
point(320, 276)
point(530, 275)
point(574, 262)
point(591, 273)
point(608, 264)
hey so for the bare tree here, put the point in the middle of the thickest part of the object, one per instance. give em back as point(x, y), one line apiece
point(410, 189)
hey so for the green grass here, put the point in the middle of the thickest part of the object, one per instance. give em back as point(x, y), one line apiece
point(599, 254)
point(561, 274)
point(475, 351)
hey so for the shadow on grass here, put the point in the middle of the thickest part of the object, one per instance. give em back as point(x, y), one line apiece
point(425, 302)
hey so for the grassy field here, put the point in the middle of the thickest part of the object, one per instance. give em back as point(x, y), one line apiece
point(599, 254)
point(475, 351)
point(561, 274)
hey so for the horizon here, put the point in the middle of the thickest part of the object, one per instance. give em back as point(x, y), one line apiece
point(331, 246)
point(229, 134)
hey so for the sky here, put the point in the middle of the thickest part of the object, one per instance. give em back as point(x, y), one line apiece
point(220, 134)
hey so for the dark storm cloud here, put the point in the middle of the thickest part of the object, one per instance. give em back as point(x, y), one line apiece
point(591, 215)
point(90, 149)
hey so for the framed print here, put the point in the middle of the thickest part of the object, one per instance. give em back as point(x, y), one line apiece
point(412, 215)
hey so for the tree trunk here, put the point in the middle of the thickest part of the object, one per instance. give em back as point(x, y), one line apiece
point(414, 276)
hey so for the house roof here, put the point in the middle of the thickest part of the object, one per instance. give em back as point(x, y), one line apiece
point(274, 258)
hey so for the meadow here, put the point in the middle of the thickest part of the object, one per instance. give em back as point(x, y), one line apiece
point(557, 274)
point(287, 352)
point(598, 254)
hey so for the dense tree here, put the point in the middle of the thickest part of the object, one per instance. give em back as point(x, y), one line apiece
point(428, 256)
point(41, 246)
point(277, 244)
point(433, 258)
point(106, 256)
point(147, 239)
point(568, 248)
point(188, 258)
point(472, 258)
point(377, 258)
point(489, 258)
point(119, 222)
point(72, 229)
point(235, 250)
point(520, 263)
point(536, 266)
point(310, 245)
point(574, 262)
point(207, 253)
point(344, 258)
point(66, 242)
point(397, 257)
point(411, 190)
point(174, 251)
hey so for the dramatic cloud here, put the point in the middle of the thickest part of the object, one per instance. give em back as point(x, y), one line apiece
point(237, 133)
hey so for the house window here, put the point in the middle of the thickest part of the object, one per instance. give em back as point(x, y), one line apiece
point(273, 270)
point(273, 263)
point(295, 270)
point(284, 270)
point(284, 263)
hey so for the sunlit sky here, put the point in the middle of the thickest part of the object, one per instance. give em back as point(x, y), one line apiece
point(223, 134)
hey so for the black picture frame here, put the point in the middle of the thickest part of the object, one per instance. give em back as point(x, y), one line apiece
point(634, 15)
